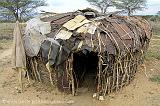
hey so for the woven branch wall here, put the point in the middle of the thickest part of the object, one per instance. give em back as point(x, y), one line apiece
point(120, 43)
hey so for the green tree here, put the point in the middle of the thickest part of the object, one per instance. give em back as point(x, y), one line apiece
point(130, 6)
point(20, 8)
point(101, 4)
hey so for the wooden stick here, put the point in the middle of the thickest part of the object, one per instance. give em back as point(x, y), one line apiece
point(20, 78)
point(28, 78)
point(129, 70)
point(50, 72)
point(99, 73)
point(50, 76)
point(39, 77)
point(109, 86)
point(34, 72)
point(117, 81)
point(125, 70)
point(71, 71)
point(114, 76)
point(106, 88)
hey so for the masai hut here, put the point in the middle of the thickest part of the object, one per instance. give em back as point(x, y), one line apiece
point(85, 48)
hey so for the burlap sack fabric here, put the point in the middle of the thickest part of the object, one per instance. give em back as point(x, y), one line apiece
point(18, 55)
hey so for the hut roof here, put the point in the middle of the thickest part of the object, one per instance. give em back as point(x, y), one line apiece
point(84, 30)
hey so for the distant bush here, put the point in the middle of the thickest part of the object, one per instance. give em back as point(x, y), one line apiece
point(153, 18)
point(12, 21)
point(155, 22)
point(7, 21)
point(155, 78)
point(6, 37)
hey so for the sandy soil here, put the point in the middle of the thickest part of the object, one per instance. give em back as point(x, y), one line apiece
point(141, 91)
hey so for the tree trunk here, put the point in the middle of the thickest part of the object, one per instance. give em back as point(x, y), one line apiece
point(17, 10)
point(16, 16)
point(129, 12)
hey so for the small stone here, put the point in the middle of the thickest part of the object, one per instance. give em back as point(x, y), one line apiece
point(125, 95)
point(16, 88)
point(27, 85)
point(94, 95)
point(151, 93)
point(101, 98)
point(19, 91)
point(70, 102)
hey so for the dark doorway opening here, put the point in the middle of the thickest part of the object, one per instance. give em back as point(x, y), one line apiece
point(85, 69)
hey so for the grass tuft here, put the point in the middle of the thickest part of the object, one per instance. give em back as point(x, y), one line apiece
point(155, 78)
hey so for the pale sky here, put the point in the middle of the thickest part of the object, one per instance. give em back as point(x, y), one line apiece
point(72, 5)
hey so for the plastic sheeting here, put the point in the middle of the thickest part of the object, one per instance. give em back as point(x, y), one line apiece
point(35, 35)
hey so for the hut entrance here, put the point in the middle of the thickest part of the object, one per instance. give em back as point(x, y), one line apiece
point(85, 69)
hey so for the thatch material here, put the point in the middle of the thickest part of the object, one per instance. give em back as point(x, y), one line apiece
point(119, 42)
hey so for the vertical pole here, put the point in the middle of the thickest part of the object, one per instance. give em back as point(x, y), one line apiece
point(99, 73)
point(20, 78)
point(72, 78)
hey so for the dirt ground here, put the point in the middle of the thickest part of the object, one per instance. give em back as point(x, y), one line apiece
point(141, 92)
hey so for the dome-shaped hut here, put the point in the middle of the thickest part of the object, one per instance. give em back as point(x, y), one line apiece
point(69, 49)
